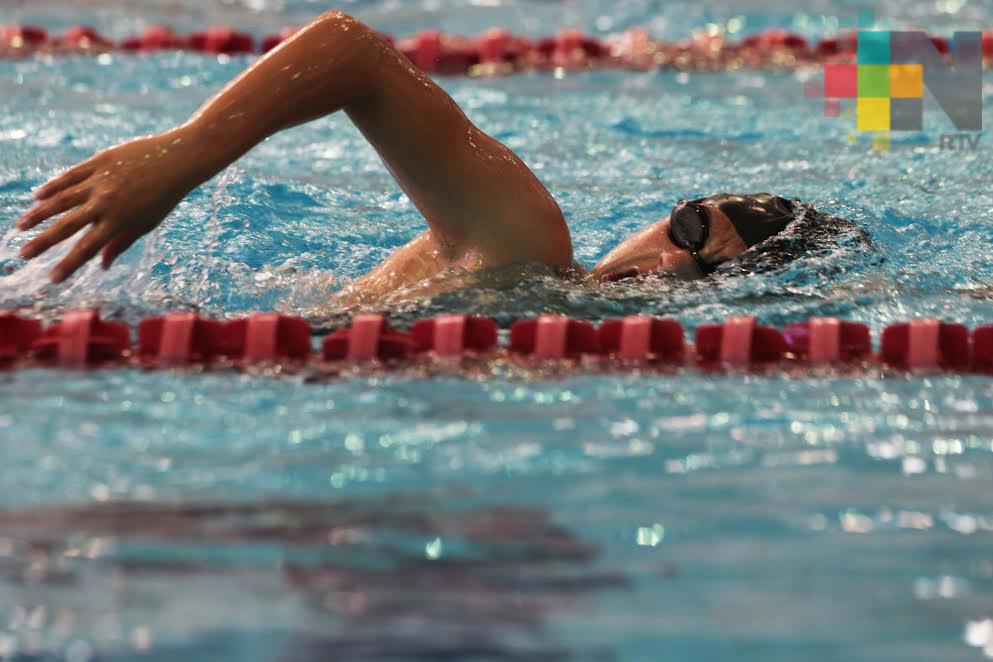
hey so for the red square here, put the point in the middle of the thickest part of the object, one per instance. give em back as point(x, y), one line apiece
point(841, 81)
point(832, 109)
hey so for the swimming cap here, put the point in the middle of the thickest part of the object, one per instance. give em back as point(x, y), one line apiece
point(757, 216)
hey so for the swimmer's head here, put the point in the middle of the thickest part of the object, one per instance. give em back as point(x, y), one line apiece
point(700, 235)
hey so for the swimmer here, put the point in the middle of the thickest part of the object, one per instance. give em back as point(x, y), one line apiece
point(484, 207)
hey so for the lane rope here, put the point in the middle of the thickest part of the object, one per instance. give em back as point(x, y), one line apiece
point(494, 52)
point(82, 339)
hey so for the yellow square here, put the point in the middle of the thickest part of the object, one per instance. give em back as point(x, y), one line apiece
point(881, 142)
point(906, 81)
point(873, 114)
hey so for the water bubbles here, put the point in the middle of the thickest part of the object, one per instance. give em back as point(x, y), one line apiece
point(945, 587)
point(913, 465)
point(624, 428)
point(854, 522)
point(650, 536)
point(434, 549)
point(979, 634)
point(354, 443)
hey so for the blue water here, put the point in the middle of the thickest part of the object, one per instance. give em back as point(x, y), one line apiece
point(258, 517)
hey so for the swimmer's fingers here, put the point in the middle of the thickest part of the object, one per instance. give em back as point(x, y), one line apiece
point(61, 230)
point(44, 210)
point(83, 251)
point(117, 245)
point(69, 178)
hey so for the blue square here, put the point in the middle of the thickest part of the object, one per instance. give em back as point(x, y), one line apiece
point(874, 47)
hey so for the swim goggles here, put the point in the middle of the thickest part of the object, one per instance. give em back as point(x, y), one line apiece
point(689, 227)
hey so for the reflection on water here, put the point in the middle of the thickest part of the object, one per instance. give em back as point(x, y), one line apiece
point(402, 577)
point(683, 517)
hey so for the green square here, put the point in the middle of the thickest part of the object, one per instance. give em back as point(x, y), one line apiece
point(874, 81)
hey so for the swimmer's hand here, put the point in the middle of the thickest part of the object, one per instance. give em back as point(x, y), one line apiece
point(121, 193)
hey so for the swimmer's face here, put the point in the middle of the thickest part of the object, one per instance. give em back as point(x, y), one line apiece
point(650, 250)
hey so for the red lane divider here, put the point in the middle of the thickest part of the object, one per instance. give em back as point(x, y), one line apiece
point(84, 38)
point(180, 338)
point(826, 340)
point(423, 49)
point(643, 339)
point(82, 338)
point(982, 348)
point(455, 335)
point(27, 37)
point(499, 48)
point(186, 338)
point(17, 335)
point(495, 51)
point(267, 338)
point(926, 344)
point(368, 338)
point(222, 40)
point(553, 337)
point(155, 38)
point(571, 48)
point(739, 342)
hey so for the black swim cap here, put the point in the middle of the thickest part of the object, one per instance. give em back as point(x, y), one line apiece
point(756, 216)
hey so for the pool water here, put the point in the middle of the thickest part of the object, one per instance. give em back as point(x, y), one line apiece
point(183, 515)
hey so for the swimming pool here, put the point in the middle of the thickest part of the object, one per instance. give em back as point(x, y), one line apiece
point(219, 516)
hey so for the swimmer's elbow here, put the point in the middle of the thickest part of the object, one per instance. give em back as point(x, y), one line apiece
point(338, 19)
point(355, 43)
point(344, 26)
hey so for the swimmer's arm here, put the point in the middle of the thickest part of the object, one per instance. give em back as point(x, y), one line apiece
point(473, 191)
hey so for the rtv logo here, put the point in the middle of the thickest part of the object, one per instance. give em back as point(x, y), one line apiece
point(889, 78)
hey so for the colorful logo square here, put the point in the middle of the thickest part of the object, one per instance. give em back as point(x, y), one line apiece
point(873, 114)
point(874, 81)
point(873, 47)
point(906, 114)
point(841, 81)
point(906, 81)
